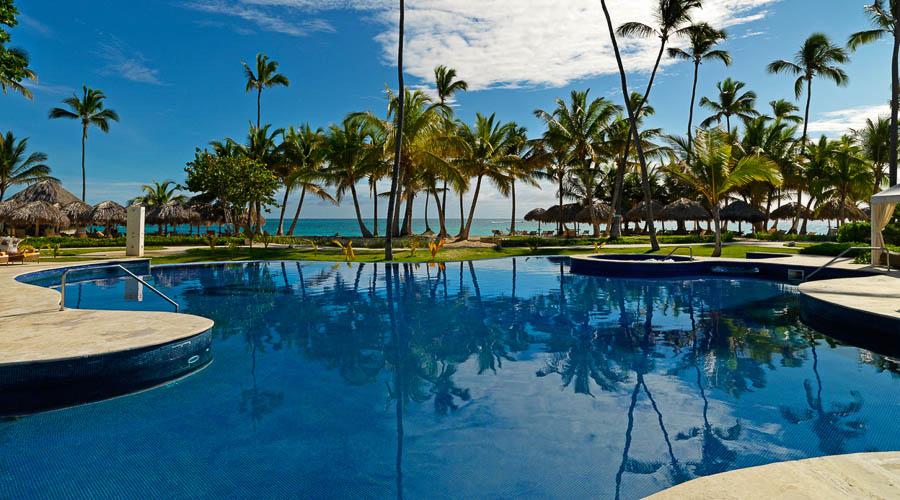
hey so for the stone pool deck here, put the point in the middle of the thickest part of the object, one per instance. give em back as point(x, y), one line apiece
point(859, 475)
point(35, 330)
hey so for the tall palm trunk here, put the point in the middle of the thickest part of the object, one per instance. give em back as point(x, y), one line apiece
point(395, 170)
point(462, 216)
point(895, 104)
point(83, 171)
point(645, 180)
point(512, 221)
point(290, 230)
point(615, 229)
point(442, 215)
point(442, 212)
point(375, 211)
point(559, 220)
point(408, 214)
point(427, 199)
point(465, 235)
point(717, 251)
point(690, 131)
point(287, 191)
point(803, 140)
point(362, 225)
point(258, 105)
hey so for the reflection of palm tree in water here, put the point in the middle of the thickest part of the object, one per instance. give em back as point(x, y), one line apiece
point(828, 425)
point(258, 403)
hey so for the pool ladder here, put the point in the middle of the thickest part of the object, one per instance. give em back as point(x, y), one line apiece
point(65, 274)
point(884, 249)
point(689, 249)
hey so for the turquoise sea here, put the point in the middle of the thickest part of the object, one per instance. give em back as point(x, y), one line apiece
point(480, 227)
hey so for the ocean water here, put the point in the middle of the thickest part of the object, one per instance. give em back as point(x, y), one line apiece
point(480, 227)
point(493, 379)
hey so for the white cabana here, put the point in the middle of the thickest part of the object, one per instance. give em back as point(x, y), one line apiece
point(883, 205)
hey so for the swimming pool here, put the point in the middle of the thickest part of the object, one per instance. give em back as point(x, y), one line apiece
point(491, 379)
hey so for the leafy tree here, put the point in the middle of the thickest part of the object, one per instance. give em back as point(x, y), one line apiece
point(158, 194)
point(886, 22)
point(16, 166)
point(266, 75)
point(13, 61)
point(875, 141)
point(345, 151)
point(90, 109)
point(235, 181)
point(303, 154)
point(702, 42)
point(731, 102)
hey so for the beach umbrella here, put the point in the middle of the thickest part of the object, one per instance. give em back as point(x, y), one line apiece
point(38, 213)
point(538, 215)
point(637, 213)
point(741, 211)
point(683, 209)
point(564, 215)
point(791, 211)
point(78, 212)
point(601, 211)
point(831, 209)
point(108, 213)
point(47, 190)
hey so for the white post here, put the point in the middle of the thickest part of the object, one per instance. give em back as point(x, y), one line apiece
point(134, 231)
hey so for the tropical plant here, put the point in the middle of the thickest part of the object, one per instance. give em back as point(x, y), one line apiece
point(266, 75)
point(817, 57)
point(886, 20)
point(302, 156)
point(90, 109)
point(784, 110)
point(345, 150)
point(731, 102)
point(446, 86)
point(346, 250)
point(13, 61)
point(702, 40)
point(717, 167)
point(17, 167)
point(875, 141)
point(398, 140)
point(435, 247)
point(848, 178)
point(159, 194)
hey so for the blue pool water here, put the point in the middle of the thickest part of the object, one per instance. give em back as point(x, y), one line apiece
point(490, 379)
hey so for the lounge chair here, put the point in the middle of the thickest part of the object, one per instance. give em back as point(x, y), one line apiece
point(4, 259)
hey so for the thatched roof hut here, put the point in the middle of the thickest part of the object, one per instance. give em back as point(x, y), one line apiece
point(38, 213)
point(536, 215)
point(683, 209)
point(638, 212)
point(831, 209)
point(601, 210)
point(108, 213)
point(48, 190)
point(7, 208)
point(78, 212)
point(791, 211)
point(741, 211)
point(172, 213)
point(567, 214)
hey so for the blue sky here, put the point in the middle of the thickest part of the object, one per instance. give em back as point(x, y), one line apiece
point(171, 68)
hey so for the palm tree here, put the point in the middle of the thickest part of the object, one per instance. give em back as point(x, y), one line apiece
point(702, 39)
point(344, 150)
point(91, 110)
point(398, 140)
point(446, 86)
point(266, 76)
point(522, 169)
point(886, 22)
point(671, 17)
point(581, 124)
point(717, 167)
point(303, 151)
point(13, 82)
point(849, 177)
point(784, 110)
point(732, 102)
point(817, 57)
point(875, 140)
point(16, 166)
point(157, 194)
point(488, 153)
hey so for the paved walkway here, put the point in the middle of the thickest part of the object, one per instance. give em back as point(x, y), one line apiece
point(35, 330)
point(860, 475)
point(873, 294)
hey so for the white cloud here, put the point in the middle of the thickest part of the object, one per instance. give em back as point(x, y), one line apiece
point(264, 19)
point(123, 61)
point(502, 43)
point(35, 25)
point(840, 121)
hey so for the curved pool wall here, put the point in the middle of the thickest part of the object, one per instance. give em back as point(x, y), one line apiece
point(30, 387)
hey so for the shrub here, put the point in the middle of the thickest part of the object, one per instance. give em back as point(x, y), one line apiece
point(854, 231)
point(833, 249)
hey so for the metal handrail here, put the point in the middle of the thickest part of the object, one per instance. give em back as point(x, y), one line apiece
point(689, 249)
point(832, 261)
point(65, 274)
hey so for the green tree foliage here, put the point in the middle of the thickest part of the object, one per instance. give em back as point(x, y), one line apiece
point(13, 61)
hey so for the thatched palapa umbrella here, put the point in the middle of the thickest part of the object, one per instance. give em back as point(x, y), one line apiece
point(831, 210)
point(108, 213)
point(38, 213)
point(790, 211)
point(48, 190)
point(562, 216)
point(740, 212)
point(78, 212)
point(538, 215)
point(682, 210)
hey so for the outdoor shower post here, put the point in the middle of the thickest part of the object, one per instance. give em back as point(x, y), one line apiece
point(134, 231)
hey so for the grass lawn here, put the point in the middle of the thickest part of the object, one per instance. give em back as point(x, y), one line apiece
point(422, 255)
